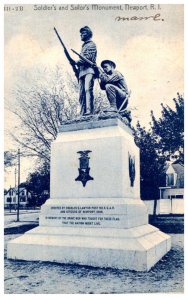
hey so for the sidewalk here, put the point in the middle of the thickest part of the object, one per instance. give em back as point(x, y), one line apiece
point(28, 220)
point(24, 211)
point(19, 224)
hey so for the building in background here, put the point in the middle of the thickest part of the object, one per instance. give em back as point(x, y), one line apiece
point(172, 195)
point(11, 197)
point(174, 188)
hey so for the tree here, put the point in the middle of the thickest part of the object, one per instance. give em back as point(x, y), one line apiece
point(40, 109)
point(38, 184)
point(151, 164)
point(159, 144)
point(169, 130)
point(9, 159)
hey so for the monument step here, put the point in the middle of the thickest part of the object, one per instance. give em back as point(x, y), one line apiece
point(135, 232)
point(135, 253)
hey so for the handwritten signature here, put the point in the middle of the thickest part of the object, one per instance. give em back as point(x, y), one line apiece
point(156, 17)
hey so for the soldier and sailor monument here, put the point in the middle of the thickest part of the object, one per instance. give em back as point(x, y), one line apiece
point(95, 216)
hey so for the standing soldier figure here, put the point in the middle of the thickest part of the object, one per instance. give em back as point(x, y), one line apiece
point(86, 72)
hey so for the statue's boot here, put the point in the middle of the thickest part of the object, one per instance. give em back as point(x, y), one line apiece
point(113, 107)
point(88, 109)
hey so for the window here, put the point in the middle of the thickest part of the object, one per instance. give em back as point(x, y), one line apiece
point(22, 199)
point(170, 179)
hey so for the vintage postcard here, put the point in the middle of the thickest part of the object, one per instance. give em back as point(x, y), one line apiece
point(94, 148)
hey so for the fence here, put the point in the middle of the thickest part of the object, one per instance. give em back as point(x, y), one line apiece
point(166, 206)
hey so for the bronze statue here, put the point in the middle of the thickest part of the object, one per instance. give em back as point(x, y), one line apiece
point(86, 72)
point(113, 82)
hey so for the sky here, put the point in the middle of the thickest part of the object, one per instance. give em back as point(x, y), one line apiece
point(148, 53)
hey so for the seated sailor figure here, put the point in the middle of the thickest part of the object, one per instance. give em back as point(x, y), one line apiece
point(113, 82)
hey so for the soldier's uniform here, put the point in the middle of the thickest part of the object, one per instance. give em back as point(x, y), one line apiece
point(116, 89)
point(86, 77)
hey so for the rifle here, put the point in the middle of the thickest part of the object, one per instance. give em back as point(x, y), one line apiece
point(125, 100)
point(84, 58)
point(71, 61)
point(90, 63)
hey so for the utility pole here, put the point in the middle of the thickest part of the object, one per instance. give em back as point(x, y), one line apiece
point(18, 205)
point(10, 198)
point(15, 172)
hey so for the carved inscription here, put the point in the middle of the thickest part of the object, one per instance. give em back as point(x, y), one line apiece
point(82, 220)
point(82, 215)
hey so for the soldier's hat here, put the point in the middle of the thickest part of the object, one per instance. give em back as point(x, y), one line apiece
point(107, 61)
point(86, 28)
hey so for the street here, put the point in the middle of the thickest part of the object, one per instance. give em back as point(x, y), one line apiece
point(25, 216)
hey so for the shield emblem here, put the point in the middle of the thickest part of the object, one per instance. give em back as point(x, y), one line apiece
point(84, 168)
point(131, 169)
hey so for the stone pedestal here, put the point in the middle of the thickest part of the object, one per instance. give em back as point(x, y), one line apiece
point(94, 215)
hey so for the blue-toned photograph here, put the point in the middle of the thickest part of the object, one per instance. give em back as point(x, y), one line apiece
point(94, 148)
